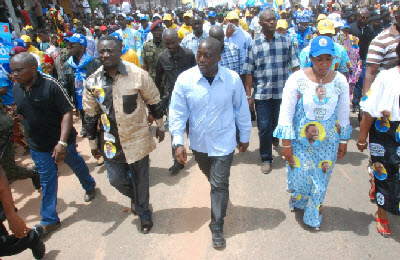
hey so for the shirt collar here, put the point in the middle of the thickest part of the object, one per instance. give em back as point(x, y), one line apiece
point(38, 81)
point(180, 53)
point(273, 38)
point(121, 68)
point(198, 75)
point(393, 30)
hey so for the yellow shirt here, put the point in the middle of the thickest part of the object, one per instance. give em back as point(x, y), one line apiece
point(131, 56)
point(184, 30)
point(244, 25)
point(173, 27)
point(34, 50)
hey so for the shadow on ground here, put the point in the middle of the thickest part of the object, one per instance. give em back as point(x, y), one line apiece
point(339, 219)
point(239, 219)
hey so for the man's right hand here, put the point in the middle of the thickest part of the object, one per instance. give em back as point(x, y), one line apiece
point(17, 226)
point(230, 30)
point(251, 104)
point(96, 153)
point(181, 155)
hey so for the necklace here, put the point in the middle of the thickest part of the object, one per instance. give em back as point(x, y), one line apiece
point(320, 79)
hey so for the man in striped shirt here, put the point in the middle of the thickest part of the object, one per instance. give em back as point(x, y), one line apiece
point(47, 111)
point(382, 52)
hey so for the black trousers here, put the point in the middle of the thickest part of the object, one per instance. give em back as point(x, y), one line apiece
point(10, 245)
point(132, 180)
point(217, 170)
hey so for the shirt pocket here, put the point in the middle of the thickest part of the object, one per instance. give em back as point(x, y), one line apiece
point(129, 103)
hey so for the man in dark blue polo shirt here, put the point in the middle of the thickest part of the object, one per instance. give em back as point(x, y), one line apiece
point(47, 111)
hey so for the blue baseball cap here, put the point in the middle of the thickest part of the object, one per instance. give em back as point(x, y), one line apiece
point(19, 42)
point(78, 38)
point(322, 45)
point(212, 14)
point(345, 25)
point(116, 35)
point(143, 17)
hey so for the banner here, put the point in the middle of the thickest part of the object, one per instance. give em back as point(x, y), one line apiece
point(5, 42)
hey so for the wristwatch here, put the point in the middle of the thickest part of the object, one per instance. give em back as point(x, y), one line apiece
point(176, 146)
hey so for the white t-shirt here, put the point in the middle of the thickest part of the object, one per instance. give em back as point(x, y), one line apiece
point(255, 26)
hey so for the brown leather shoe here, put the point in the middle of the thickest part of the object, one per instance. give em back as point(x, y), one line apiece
point(50, 228)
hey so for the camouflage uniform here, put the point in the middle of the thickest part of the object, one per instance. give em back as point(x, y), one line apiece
point(7, 153)
point(150, 52)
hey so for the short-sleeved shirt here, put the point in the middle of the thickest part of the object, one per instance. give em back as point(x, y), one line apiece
point(269, 63)
point(170, 67)
point(43, 108)
point(339, 60)
point(382, 49)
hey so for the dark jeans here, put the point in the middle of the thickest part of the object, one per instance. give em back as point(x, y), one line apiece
point(217, 171)
point(359, 86)
point(267, 120)
point(10, 245)
point(132, 180)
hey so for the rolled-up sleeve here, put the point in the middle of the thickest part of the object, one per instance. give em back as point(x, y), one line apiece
point(178, 114)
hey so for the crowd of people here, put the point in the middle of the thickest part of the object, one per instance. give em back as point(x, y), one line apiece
point(297, 72)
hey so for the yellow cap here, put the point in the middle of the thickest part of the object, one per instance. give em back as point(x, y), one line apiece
point(26, 38)
point(28, 27)
point(188, 14)
point(321, 17)
point(75, 20)
point(247, 13)
point(282, 23)
point(326, 27)
point(237, 11)
point(167, 17)
point(232, 16)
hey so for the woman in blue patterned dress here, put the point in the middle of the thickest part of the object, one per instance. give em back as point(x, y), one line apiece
point(381, 122)
point(314, 125)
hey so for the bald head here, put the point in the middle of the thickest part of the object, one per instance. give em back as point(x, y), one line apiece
point(212, 44)
point(171, 34)
point(217, 33)
point(24, 68)
point(267, 14)
point(26, 58)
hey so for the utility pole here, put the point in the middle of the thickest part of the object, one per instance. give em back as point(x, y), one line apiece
point(13, 18)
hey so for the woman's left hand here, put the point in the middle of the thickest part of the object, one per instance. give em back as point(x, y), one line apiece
point(341, 151)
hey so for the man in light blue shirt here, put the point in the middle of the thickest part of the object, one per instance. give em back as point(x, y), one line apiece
point(213, 99)
point(192, 40)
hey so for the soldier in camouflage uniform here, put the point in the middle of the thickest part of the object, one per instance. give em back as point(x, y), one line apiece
point(151, 49)
point(7, 153)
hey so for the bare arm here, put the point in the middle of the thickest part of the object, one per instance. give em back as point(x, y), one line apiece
point(370, 74)
point(3, 90)
point(17, 225)
point(145, 64)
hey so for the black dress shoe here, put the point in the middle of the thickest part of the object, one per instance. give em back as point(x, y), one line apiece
point(89, 195)
point(37, 246)
point(145, 226)
point(176, 168)
point(218, 239)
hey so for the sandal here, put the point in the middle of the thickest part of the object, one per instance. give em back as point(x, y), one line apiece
point(384, 232)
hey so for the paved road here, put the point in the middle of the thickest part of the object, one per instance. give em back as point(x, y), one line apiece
point(259, 224)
